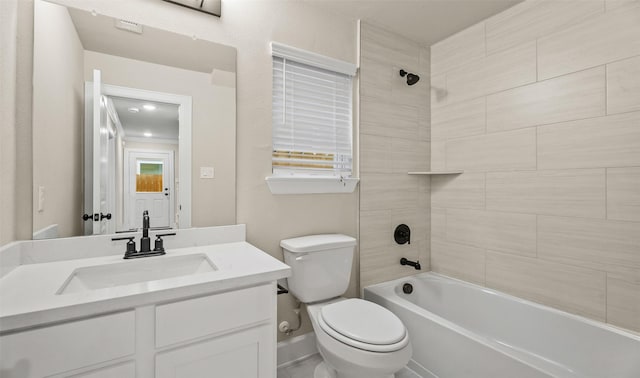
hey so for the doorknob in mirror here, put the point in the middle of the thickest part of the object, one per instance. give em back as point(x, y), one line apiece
point(86, 217)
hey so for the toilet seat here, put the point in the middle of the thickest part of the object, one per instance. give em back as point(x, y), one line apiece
point(363, 325)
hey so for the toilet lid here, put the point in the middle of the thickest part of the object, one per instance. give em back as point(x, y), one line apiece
point(364, 321)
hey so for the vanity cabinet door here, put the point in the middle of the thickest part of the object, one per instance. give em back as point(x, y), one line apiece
point(198, 317)
point(68, 346)
point(245, 354)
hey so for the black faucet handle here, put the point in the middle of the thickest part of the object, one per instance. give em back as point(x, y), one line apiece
point(159, 243)
point(131, 245)
point(124, 238)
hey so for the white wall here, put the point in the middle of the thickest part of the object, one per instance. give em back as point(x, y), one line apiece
point(16, 57)
point(58, 108)
point(8, 41)
point(250, 26)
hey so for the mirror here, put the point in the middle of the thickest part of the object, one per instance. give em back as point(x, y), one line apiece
point(127, 118)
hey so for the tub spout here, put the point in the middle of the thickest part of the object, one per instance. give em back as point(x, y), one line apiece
point(415, 264)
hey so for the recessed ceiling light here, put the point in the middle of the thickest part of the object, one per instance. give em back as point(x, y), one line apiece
point(133, 109)
point(148, 134)
point(149, 107)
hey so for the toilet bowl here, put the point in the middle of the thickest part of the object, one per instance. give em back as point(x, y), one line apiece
point(360, 339)
point(356, 338)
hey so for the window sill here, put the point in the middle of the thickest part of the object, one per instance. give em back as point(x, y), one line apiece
point(310, 184)
point(431, 173)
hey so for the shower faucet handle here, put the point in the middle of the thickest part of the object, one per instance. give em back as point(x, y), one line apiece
point(402, 234)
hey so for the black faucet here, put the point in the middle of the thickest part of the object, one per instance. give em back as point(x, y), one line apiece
point(145, 242)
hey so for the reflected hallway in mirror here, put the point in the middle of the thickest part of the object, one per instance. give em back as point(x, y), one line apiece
point(139, 167)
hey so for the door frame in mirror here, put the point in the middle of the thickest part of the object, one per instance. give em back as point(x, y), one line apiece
point(183, 209)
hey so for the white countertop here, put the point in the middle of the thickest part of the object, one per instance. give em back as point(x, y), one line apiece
point(28, 293)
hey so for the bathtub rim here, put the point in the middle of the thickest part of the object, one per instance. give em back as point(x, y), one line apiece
point(393, 283)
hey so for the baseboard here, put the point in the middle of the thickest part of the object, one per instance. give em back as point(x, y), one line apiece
point(296, 348)
point(420, 370)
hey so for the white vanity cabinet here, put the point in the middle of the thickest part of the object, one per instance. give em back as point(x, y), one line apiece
point(140, 318)
point(226, 334)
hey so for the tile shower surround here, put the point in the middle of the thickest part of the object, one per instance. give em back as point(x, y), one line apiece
point(394, 139)
point(540, 106)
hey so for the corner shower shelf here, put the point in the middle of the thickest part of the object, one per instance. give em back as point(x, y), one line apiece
point(429, 173)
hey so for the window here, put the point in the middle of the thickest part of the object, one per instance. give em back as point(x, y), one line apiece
point(149, 176)
point(312, 115)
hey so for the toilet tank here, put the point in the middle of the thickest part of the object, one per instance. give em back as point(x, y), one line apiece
point(321, 265)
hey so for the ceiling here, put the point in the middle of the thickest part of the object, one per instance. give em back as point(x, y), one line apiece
point(423, 21)
point(162, 122)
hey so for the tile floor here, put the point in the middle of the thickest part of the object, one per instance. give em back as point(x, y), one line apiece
point(304, 369)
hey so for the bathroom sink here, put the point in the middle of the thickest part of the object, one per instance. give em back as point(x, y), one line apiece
point(129, 272)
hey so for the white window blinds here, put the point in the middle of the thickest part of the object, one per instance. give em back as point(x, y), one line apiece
point(312, 119)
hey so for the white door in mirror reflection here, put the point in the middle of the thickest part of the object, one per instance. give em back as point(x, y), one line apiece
point(99, 159)
point(107, 169)
point(148, 186)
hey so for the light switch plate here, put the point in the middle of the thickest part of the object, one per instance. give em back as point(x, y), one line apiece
point(206, 172)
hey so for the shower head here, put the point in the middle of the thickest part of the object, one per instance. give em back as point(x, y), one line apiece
point(411, 78)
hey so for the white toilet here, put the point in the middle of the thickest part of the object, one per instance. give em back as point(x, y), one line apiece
point(356, 338)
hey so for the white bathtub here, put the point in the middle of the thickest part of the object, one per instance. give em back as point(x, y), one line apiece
point(463, 330)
